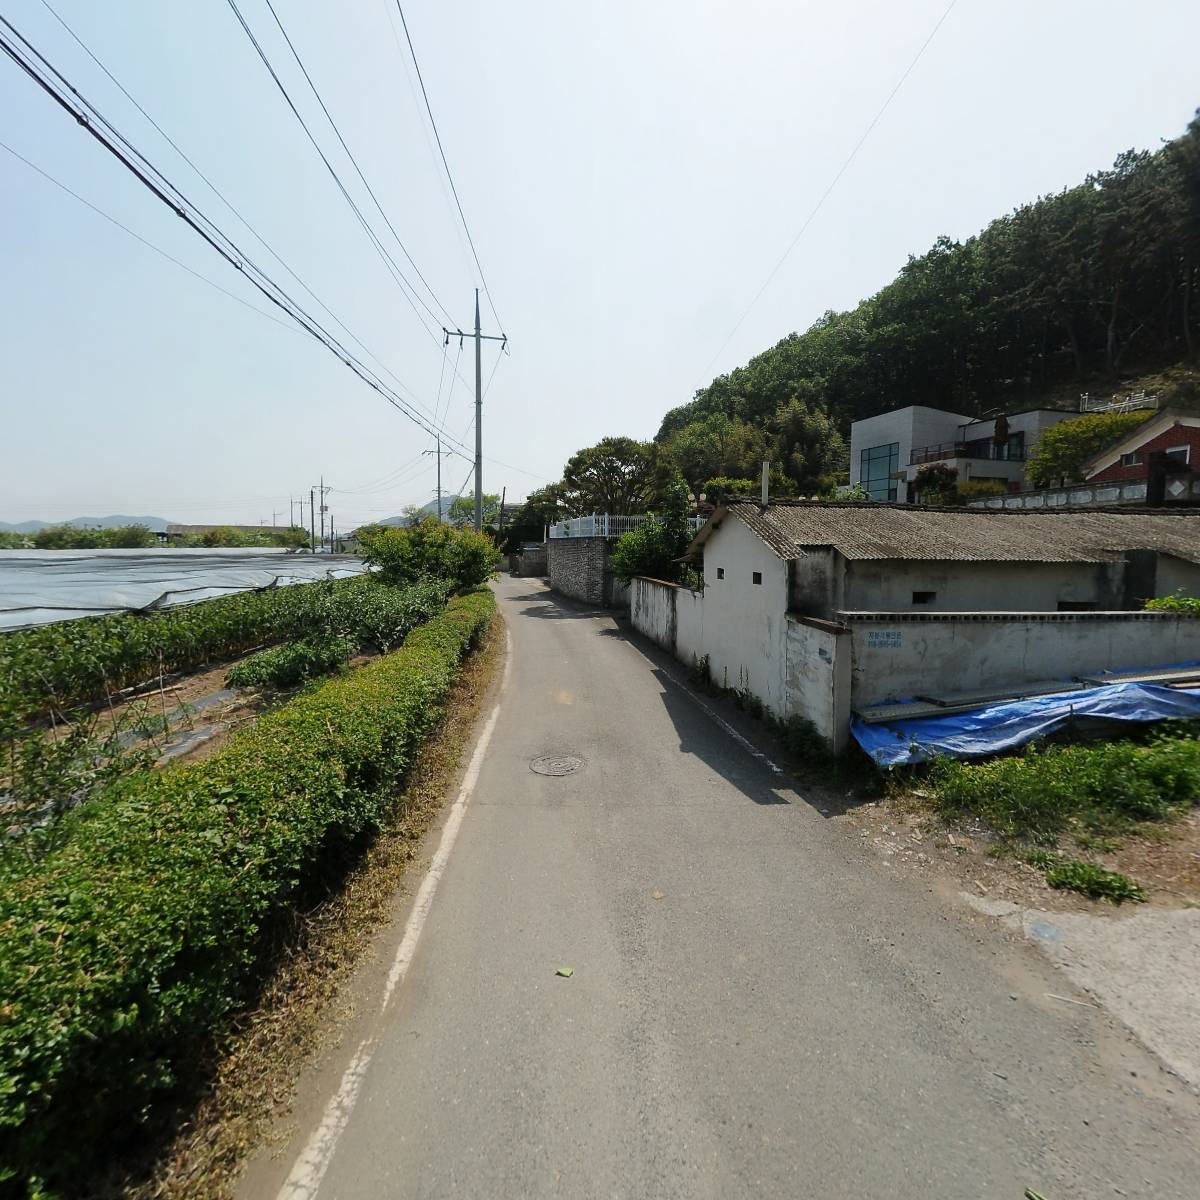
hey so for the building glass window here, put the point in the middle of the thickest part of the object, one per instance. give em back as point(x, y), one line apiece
point(720, 572)
point(1179, 453)
point(1132, 459)
point(756, 577)
point(877, 465)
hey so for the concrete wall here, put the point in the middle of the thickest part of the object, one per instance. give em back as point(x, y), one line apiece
point(899, 655)
point(914, 426)
point(529, 562)
point(582, 569)
point(796, 666)
point(981, 586)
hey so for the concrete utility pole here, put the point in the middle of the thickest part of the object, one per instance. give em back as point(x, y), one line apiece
point(500, 518)
point(312, 520)
point(324, 508)
point(480, 338)
point(439, 452)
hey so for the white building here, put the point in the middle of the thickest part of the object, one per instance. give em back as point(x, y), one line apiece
point(887, 451)
point(818, 609)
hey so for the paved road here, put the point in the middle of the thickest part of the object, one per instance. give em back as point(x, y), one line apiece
point(759, 1008)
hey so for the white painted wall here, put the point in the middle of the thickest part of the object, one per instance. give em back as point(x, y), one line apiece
point(904, 656)
point(743, 622)
point(817, 677)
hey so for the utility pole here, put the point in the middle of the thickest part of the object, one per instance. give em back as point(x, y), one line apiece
point(480, 338)
point(275, 513)
point(323, 489)
point(312, 520)
point(439, 452)
point(500, 519)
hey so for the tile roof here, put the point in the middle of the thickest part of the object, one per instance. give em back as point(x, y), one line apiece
point(882, 531)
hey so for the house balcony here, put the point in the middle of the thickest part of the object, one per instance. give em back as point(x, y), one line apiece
point(973, 450)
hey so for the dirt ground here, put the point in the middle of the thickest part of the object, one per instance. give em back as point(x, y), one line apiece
point(1166, 862)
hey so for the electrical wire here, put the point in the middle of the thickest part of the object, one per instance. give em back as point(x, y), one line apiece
point(832, 184)
point(291, 328)
point(226, 201)
point(357, 168)
point(402, 282)
point(441, 150)
point(83, 111)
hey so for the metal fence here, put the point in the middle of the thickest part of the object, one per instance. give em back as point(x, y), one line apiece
point(1130, 403)
point(606, 525)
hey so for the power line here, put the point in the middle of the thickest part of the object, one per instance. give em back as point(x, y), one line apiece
point(354, 162)
point(226, 201)
point(291, 328)
point(402, 282)
point(83, 111)
point(441, 150)
point(833, 183)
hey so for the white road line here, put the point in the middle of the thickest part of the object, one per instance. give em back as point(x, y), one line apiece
point(309, 1169)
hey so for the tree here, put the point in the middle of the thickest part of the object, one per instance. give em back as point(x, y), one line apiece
point(718, 445)
point(618, 475)
point(652, 548)
point(540, 508)
point(461, 512)
point(807, 446)
point(1062, 449)
point(402, 555)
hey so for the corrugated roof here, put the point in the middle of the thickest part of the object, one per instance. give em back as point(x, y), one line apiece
point(882, 531)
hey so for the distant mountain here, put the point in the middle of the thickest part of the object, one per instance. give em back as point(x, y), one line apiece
point(157, 524)
point(430, 508)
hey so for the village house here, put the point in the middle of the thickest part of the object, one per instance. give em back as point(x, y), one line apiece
point(818, 610)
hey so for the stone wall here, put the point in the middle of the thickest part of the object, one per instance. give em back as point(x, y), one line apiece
point(579, 568)
point(530, 561)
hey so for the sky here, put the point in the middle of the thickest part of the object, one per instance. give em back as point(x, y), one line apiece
point(630, 175)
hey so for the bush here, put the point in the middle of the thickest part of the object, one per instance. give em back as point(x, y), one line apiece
point(74, 662)
point(1174, 603)
point(429, 548)
point(652, 548)
point(134, 940)
point(285, 666)
point(1062, 449)
point(74, 537)
point(1108, 787)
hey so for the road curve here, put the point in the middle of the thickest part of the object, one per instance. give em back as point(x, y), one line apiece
point(759, 1007)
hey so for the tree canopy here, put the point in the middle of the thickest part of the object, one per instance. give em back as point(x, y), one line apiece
point(617, 475)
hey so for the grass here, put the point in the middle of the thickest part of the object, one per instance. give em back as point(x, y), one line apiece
point(1092, 794)
point(252, 1071)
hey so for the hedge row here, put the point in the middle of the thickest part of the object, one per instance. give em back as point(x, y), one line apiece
point(75, 662)
point(140, 934)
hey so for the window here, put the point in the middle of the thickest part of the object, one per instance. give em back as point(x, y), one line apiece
point(1132, 459)
point(1077, 606)
point(924, 597)
point(1179, 453)
point(877, 465)
point(756, 577)
point(720, 572)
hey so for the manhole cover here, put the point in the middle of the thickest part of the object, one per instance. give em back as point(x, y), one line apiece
point(556, 764)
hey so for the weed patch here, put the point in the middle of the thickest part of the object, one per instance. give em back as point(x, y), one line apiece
point(1094, 882)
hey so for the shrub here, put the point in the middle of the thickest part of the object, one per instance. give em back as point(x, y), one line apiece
point(1174, 603)
point(1062, 449)
point(652, 548)
point(285, 666)
point(75, 662)
point(136, 938)
point(429, 548)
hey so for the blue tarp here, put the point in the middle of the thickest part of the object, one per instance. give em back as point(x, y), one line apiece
point(994, 728)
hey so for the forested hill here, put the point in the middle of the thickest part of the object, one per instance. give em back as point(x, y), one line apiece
point(1086, 285)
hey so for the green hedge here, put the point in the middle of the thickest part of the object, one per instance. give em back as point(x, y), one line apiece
point(137, 936)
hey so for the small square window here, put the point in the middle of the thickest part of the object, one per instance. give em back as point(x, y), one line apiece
point(924, 597)
point(756, 577)
point(720, 572)
point(1132, 459)
point(1179, 453)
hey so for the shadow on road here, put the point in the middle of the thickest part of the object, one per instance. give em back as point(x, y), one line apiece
point(550, 606)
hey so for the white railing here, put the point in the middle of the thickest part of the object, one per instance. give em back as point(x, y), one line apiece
point(606, 525)
point(1135, 400)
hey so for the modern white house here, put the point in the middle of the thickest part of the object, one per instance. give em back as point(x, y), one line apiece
point(888, 450)
point(818, 610)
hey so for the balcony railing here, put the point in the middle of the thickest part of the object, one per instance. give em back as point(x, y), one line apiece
point(943, 450)
point(606, 525)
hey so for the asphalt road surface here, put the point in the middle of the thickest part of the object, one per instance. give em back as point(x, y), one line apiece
point(759, 1007)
